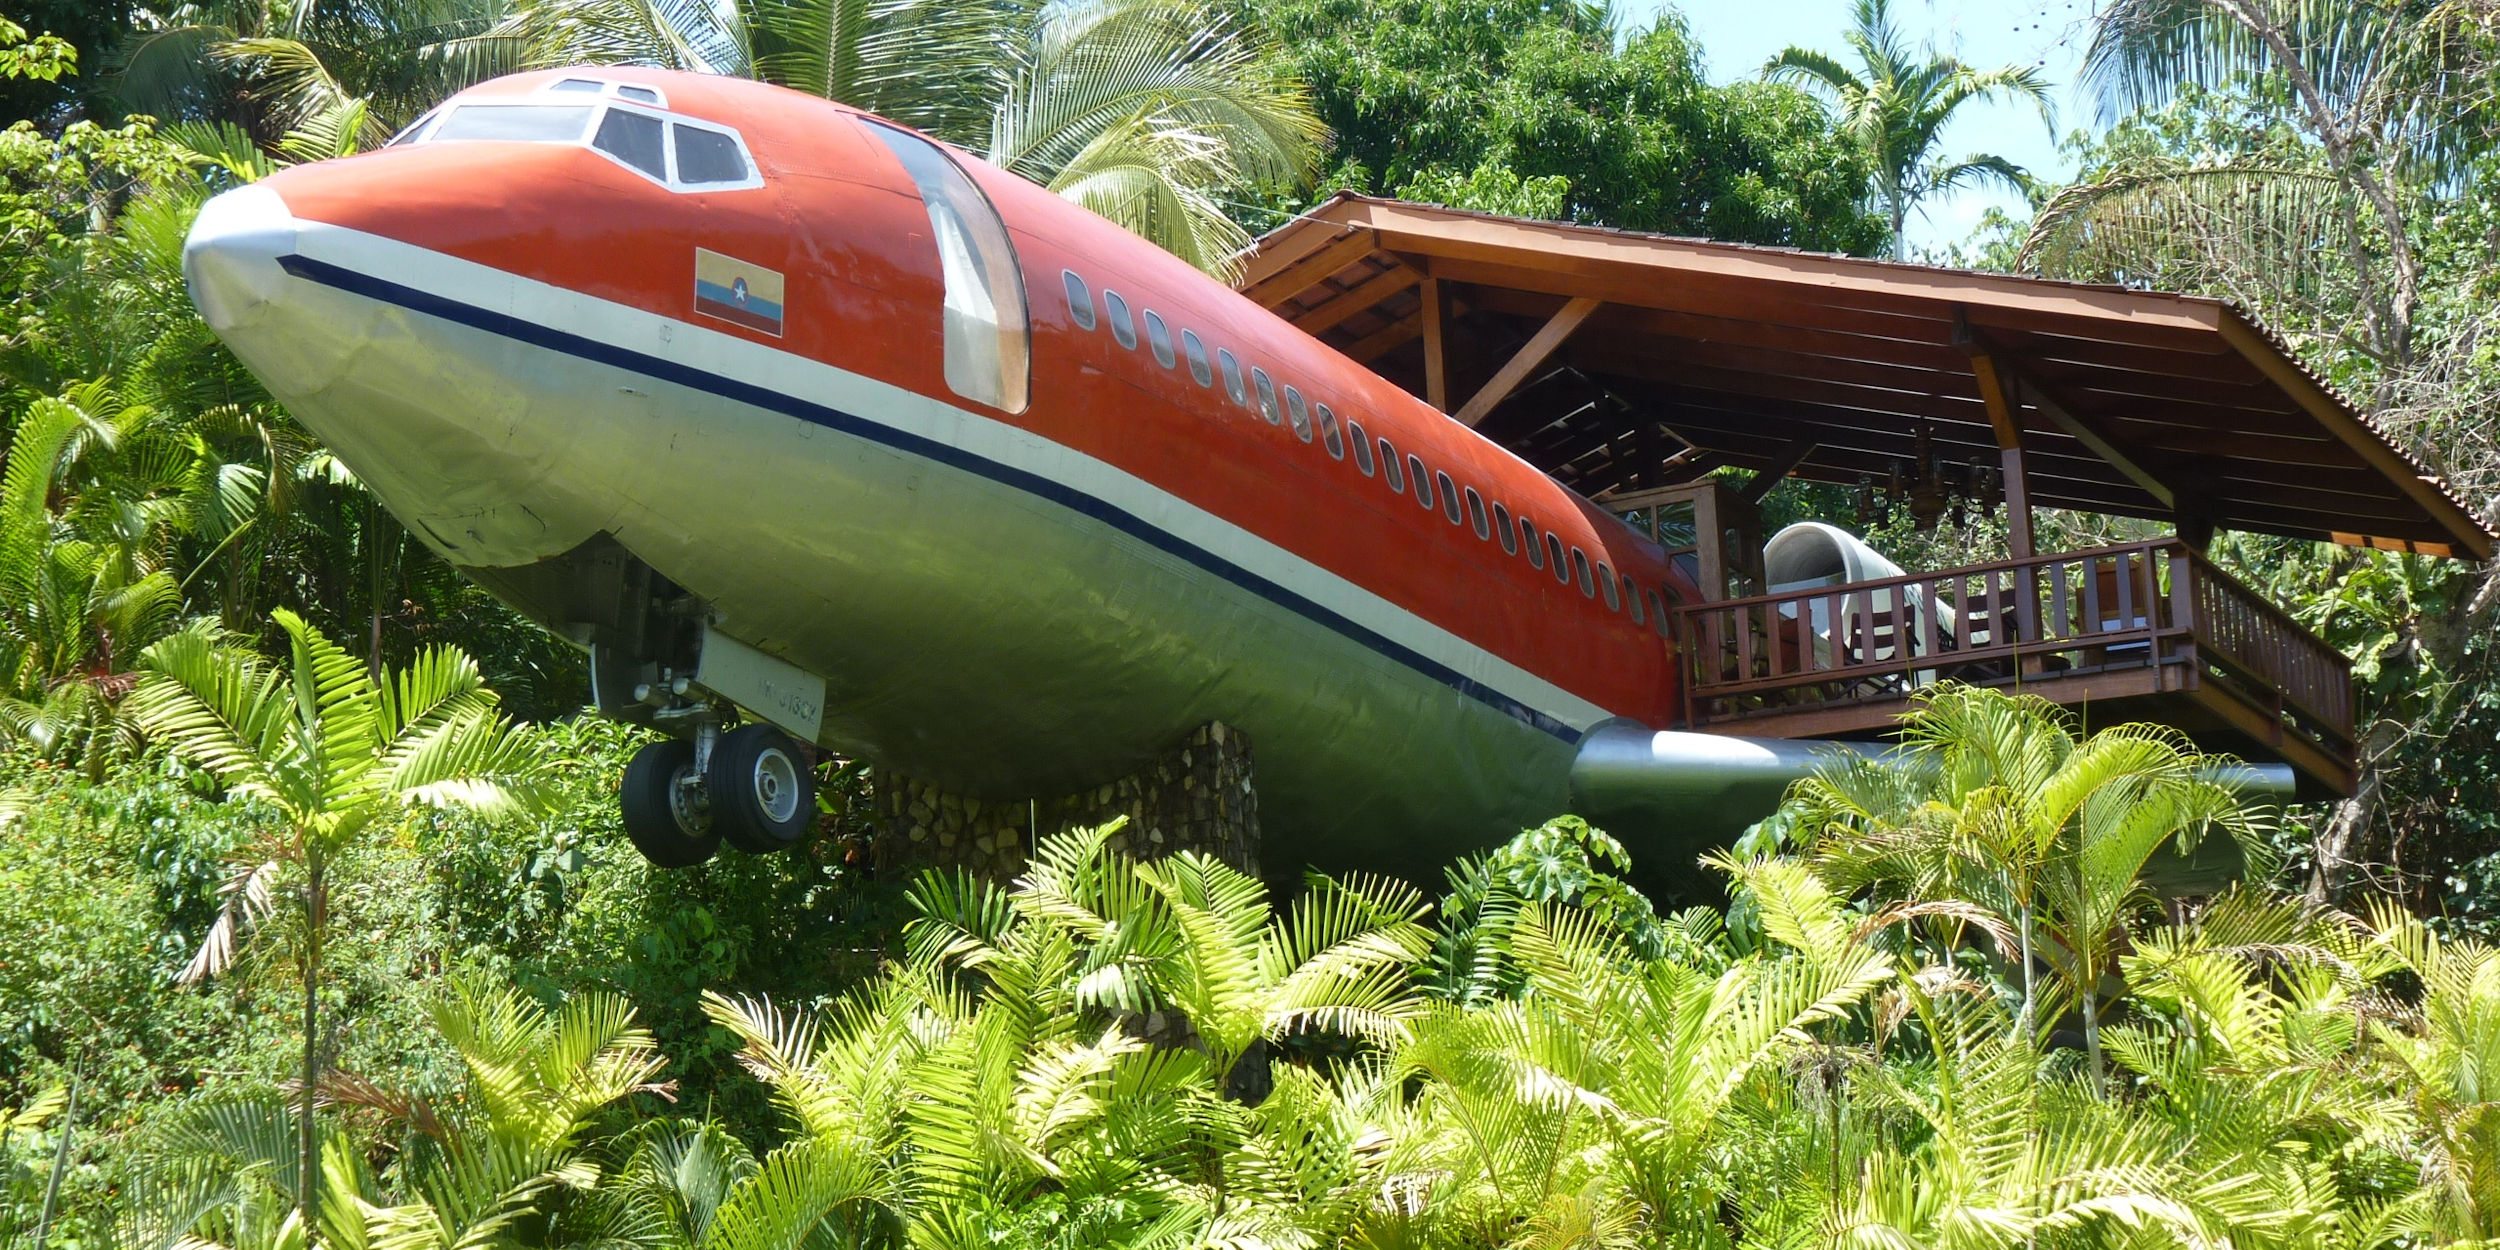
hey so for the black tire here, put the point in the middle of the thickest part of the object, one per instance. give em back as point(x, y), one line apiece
point(763, 789)
point(668, 830)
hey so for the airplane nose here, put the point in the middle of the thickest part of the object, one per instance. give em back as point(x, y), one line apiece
point(231, 256)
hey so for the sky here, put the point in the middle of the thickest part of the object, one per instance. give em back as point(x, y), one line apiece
point(1737, 36)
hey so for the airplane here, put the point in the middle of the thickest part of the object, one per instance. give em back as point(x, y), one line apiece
point(790, 414)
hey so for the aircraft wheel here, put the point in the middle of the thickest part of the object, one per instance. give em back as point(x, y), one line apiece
point(665, 817)
point(763, 789)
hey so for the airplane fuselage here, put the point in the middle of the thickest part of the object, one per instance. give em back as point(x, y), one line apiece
point(1023, 562)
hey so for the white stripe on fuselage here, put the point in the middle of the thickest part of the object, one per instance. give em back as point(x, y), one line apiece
point(712, 351)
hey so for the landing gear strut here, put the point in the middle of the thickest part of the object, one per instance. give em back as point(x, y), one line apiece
point(753, 787)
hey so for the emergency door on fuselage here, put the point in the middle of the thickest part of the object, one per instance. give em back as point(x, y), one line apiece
point(988, 339)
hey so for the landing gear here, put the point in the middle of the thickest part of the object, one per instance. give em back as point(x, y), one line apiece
point(752, 787)
point(667, 813)
point(763, 789)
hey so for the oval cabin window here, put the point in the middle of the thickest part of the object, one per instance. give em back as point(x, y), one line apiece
point(1159, 339)
point(1363, 463)
point(1196, 353)
point(989, 345)
point(1080, 300)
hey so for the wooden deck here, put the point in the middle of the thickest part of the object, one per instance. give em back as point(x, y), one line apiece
point(2145, 632)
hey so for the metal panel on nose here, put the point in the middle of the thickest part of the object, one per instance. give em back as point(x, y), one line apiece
point(231, 257)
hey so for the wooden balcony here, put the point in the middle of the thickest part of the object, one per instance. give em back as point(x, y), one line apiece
point(2145, 632)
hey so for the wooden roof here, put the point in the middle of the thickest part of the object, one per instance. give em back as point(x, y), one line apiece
point(1618, 361)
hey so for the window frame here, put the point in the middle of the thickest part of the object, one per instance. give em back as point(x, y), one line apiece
point(1504, 525)
point(1266, 388)
point(1392, 472)
point(1556, 559)
point(1123, 319)
point(1229, 365)
point(1606, 583)
point(977, 216)
point(1360, 442)
point(1529, 534)
point(1159, 339)
point(1194, 351)
point(1421, 475)
point(1580, 572)
point(1297, 412)
point(1080, 301)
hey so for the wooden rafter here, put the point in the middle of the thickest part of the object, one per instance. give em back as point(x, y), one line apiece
point(1524, 361)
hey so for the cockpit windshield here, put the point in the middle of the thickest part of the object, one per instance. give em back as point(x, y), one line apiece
point(626, 122)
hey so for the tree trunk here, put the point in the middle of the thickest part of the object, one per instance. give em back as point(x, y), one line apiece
point(1900, 226)
point(2028, 1031)
point(2091, 994)
point(2337, 848)
point(307, 1135)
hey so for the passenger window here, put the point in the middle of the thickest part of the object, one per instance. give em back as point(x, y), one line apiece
point(1501, 526)
point(1196, 351)
point(1632, 599)
point(1080, 300)
point(634, 138)
point(1330, 434)
point(989, 344)
point(1232, 376)
point(1658, 616)
point(705, 156)
point(1606, 579)
point(1449, 498)
point(1159, 339)
point(1267, 395)
point(1123, 327)
point(1301, 415)
point(1362, 448)
point(1389, 466)
point(1580, 569)
point(1423, 480)
point(1554, 556)
point(526, 123)
point(1475, 514)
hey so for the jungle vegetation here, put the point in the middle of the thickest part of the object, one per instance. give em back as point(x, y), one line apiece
point(316, 927)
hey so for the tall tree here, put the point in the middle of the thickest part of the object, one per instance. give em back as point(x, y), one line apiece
point(1149, 112)
point(1551, 110)
point(1896, 104)
point(333, 749)
point(2325, 163)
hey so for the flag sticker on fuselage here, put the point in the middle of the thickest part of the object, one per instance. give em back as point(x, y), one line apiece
point(736, 291)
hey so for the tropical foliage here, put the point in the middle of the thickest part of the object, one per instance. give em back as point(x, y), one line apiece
point(1896, 104)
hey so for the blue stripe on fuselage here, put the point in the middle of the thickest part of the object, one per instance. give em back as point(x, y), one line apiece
point(666, 370)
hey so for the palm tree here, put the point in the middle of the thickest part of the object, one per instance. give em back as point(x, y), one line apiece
point(224, 1171)
point(332, 749)
point(272, 66)
point(1146, 111)
point(1993, 815)
point(1896, 106)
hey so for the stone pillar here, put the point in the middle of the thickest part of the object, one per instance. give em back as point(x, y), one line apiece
point(1195, 797)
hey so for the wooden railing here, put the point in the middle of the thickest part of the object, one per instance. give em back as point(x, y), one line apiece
point(2041, 620)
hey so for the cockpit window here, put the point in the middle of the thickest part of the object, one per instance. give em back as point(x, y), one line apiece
point(633, 138)
point(705, 156)
point(591, 85)
point(525, 123)
point(644, 94)
point(415, 133)
point(988, 342)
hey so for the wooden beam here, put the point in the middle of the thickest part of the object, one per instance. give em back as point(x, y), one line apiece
point(1280, 288)
point(1524, 361)
point(1772, 474)
point(1436, 345)
point(2005, 417)
point(1998, 376)
point(1359, 298)
point(2364, 439)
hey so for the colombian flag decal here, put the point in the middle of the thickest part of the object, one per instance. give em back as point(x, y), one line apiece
point(735, 291)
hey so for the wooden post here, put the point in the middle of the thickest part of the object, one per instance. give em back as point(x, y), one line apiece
point(1996, 389)
point(1436, 347)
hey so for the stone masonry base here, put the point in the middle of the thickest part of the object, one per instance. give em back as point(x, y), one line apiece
point(1197, 796)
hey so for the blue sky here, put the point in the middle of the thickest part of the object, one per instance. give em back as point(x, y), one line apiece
point(1737, 36)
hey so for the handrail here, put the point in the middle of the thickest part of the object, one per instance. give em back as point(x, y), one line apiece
point(2150, 603)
